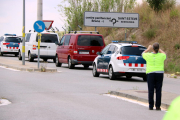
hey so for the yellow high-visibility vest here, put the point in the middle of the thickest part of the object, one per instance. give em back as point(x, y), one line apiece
point(154, 62)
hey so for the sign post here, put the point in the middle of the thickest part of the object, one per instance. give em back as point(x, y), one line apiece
point(39, 27)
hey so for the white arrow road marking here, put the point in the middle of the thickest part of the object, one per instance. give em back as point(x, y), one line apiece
point(40, 26)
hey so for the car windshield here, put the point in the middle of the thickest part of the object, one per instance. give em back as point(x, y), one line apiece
point(12, 39)
point(129, 50)
point(89, 40)
point(48, 38)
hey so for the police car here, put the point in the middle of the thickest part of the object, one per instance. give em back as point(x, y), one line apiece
point(120, 58)
point(9, 44)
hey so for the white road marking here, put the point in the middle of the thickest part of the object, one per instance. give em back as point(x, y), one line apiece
point(9, 68)
point(130, 100)
point(4, 102)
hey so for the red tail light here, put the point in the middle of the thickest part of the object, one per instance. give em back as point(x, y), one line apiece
point(123, 57)
point(34, 47)
point(19, 43)
point(75, 52)
point(6, 43)
point(134, 46)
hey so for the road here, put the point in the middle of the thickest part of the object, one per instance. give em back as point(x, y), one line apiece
point(72, 94)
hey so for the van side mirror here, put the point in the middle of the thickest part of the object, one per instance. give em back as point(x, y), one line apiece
point(57, 43)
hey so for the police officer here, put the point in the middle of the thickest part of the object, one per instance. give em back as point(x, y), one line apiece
point(155, 73)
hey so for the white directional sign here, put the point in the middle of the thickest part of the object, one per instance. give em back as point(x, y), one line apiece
point(110, 19)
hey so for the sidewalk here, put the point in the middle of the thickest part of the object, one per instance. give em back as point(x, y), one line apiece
point(18, 65)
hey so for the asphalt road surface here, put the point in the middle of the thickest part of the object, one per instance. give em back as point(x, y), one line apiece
point(72, 94)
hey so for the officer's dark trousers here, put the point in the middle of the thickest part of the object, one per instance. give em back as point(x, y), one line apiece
point(154, 80)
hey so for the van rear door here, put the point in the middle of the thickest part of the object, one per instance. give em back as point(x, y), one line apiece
point(48, 46)
point(88, 46)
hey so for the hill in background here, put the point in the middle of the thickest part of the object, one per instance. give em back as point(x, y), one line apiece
point(162, 27)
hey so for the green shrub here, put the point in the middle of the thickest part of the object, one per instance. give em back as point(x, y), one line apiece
point(172, 67)
point(174, 13)
point(177, 46)
point(150, 33)
point(133, 37)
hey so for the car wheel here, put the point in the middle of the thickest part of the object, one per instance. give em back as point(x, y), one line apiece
point(144, 78)
point(54, 60)
point(86, 66)
point(111, 73)
point(20, 57)
point(1, 54)
point(30, 57)
point(128, 76)
point(57, 62)
point(70, 65)
point(94, 71)
point(45, 60)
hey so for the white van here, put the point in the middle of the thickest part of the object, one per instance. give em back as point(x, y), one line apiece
point(47, 46)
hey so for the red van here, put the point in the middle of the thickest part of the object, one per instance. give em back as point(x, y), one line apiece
point(79, 47)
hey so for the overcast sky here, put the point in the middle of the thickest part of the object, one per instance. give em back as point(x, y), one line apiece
point(12, 10)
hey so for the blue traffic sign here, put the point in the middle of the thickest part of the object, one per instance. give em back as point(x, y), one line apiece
point(39, 26)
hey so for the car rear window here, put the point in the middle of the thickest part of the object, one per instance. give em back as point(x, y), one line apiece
point(129, 50)
point(12, 39)
point(89, 40)
point(48, 38)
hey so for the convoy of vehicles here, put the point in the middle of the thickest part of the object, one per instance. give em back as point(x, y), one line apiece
point(119, 58)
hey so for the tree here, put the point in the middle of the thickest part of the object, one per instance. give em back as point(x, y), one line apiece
point(157, 5)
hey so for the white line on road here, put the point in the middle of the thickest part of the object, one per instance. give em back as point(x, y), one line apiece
point(9, 68)
point(130, 100)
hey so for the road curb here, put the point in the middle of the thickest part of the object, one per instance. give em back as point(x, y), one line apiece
point(29, 69)
point(163, 105)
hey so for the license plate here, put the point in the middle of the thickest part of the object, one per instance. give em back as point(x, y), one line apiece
point(83, 52)
point(134, 69)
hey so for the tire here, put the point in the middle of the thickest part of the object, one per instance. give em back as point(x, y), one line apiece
point(20, 57)
point(94, 71)
point(1, 54)
point(54, 60)
point(57, 62)
point(70, 65)
point(86, 66)
point(128, 76)
point(30, 57)
point(111, 73)
point(45, 60)
point(144, 78)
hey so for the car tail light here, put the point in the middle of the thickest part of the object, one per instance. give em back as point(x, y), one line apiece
point(34, 47)
point(6, 43)
point(75, 52)
point(134, 46)
point(123, 57)
point(19, 43)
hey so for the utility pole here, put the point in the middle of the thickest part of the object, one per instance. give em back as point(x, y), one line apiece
point(23, 35)
point(39, 17)
point(39, 9)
